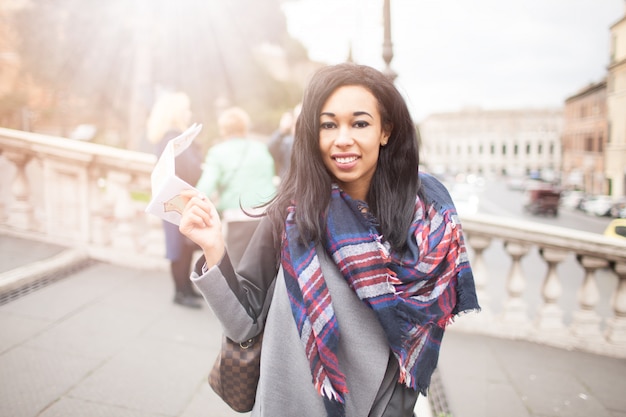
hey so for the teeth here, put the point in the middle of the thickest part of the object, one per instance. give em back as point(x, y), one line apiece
point(346, 159)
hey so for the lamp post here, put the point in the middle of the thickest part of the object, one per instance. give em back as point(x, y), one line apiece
point(387, 45)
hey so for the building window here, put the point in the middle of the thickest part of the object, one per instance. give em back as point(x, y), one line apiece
point(492, 149)
point(539, 149)
point(503, 149)
point(601, 143)
point(515, 149)
point(589, 144)
point(528, 149)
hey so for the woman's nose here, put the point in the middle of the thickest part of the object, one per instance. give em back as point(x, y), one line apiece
point(344, 136)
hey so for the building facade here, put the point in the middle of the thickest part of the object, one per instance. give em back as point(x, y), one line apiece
point(584, 140)
point(615, 158)
point(493, 142)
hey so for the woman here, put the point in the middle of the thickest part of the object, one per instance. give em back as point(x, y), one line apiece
point(355, 270)
point(169, 117)
point(239, 171)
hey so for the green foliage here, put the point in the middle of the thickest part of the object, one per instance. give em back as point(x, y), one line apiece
point(141, 196)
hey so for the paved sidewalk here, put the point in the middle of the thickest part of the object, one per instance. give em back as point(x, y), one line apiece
point(108, 341)
point(491, 377)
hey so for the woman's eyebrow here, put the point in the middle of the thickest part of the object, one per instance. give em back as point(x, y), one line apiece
point(356, 113)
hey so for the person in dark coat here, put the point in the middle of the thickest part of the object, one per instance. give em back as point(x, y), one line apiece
point(169, 117)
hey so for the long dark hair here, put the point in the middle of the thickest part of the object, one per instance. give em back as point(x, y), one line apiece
point(395, 183)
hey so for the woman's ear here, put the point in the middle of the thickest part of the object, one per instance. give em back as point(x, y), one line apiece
point(386, 133)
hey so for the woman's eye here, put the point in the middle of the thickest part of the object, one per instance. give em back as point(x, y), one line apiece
point(361, 124)
point(327, 125)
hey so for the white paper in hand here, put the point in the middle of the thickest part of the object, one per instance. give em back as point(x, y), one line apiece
point(166, 202)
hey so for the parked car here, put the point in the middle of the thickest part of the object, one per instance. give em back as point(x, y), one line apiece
point(572, 199)
point(619, 209)
point(516, 183)
point(616, 229)
point(599, 205)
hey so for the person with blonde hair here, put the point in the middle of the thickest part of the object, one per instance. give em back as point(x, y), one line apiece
point(234, 123)
point(169, 117)
point(239, 173)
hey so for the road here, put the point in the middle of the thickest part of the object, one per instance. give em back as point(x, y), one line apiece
point(495, 198)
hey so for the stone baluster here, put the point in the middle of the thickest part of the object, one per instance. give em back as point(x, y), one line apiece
point(515, 315)
point(101, 208)
point(586, 321)
point(478, 244)
point(155, 238)
point(616, 325)
point(21, 212)
point(123, 235)
point(5, 167)
point(549, 321)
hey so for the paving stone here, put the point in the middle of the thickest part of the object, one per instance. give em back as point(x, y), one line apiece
point(153, 376)
point(71, 407)
point(15, 329)
point(549, 382)
point(32, 379)
point(69, 295)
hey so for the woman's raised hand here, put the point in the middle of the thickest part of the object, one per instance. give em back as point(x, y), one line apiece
point(201, 223)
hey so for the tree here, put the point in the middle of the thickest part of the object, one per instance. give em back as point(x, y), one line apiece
point(103, 59)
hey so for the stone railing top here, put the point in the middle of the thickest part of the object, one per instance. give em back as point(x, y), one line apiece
point(85, 152)
point(547, 236)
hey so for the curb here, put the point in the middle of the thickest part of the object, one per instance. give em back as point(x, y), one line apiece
point(37, 274)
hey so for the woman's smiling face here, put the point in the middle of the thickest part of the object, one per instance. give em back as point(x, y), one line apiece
point(351, 134)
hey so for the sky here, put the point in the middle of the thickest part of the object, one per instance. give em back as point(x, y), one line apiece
point(454, 54)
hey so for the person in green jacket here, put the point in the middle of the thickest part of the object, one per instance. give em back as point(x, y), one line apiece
point(238, 173)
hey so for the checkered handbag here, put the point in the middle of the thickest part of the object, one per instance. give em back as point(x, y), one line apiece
point(235, 373)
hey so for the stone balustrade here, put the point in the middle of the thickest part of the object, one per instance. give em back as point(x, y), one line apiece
point(79, 194)
point(558, 286)
point(535, 282)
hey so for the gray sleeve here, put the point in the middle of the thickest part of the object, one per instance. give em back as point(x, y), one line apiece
point(240, 299)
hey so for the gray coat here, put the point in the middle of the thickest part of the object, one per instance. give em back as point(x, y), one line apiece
point(285, 385)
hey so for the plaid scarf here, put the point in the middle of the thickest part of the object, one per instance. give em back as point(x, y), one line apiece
point(414, 294)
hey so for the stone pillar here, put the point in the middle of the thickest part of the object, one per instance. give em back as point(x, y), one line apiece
point(100, 208)
point(123, 237)
point(515, 315)
point(21, 211)
point(387, 44)
point(550, 315)
point(586, 321)
point(479, 243)
point(616, 325)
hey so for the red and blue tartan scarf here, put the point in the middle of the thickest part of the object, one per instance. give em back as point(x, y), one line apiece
point(414, 294)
